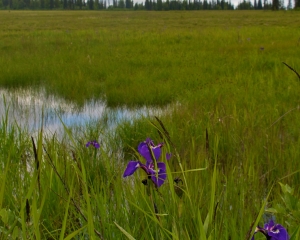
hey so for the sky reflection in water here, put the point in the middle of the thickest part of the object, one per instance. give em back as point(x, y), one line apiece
point(26, 106)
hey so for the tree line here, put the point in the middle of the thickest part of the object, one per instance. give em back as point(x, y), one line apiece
point(154, 5)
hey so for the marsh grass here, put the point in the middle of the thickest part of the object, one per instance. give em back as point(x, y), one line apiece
point(138, 58)
point(233, 136)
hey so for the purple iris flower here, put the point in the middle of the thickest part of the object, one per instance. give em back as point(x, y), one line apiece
point(168, 156)
point(273, 231)
point(93, 143)
point(154, 169)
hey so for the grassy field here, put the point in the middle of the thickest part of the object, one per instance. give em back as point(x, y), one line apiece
point(233, 131)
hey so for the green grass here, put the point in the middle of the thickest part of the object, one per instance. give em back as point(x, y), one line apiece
point(169, 55)
point(235, 124)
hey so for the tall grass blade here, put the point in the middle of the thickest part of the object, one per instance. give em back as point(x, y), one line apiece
point(75, 233)
point(124, 232)
point(64, 223)
point(206, 143)
point(211, 211)
point(88, 203)
point(3, 182)
point(295, 234)
point(292, 70)
point(261, 212)
point(27, 212)
point(29, 195)
point(202, 229)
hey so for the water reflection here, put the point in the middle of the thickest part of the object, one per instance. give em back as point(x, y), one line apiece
point(25, 107)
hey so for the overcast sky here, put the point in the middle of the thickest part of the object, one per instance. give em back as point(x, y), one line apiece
point(234, 2)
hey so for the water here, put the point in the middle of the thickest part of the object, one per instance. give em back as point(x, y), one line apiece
point(25, 108)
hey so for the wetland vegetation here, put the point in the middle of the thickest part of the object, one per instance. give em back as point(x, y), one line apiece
point(230, 133)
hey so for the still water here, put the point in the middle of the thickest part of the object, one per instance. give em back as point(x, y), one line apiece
point(27, 107)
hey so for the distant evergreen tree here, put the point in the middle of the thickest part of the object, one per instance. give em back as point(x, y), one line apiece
point(96, 4)
point(26, 3)
point(103, 6)
point(255, 4)
point(201, 5)
point(156, 5)
point(100, 4)
point(289, 6)
point(196, 5)
point(128, 4)
point(5, 3)
point(46, 4)
point(267, 5)
point(297, 3)
point(159, 5)
point(79, 4)
point(259, 5)
point(174, 5)
point(245, 5)
point(91, 4)
point(56, 4)
point(121, 4)
point(167, 5)
point(21, 4)
point(275, 5)
point(14, 4)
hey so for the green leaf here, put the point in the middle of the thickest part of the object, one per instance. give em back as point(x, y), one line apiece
point(286, 188)
point(201, 227)
point(4, 215)
point(125, 232)
point(272, 210)
point(16, 232)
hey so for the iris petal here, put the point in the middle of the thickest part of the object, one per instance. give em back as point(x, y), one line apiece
point(144, 150)
point(132, 166)
point(269, 225)
point(151, 153)
point(278, 232)
point(149, 142)
point(94, 143)
point(162, 167)
point(160, 177)
point(273, 232)
point(157, 152)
